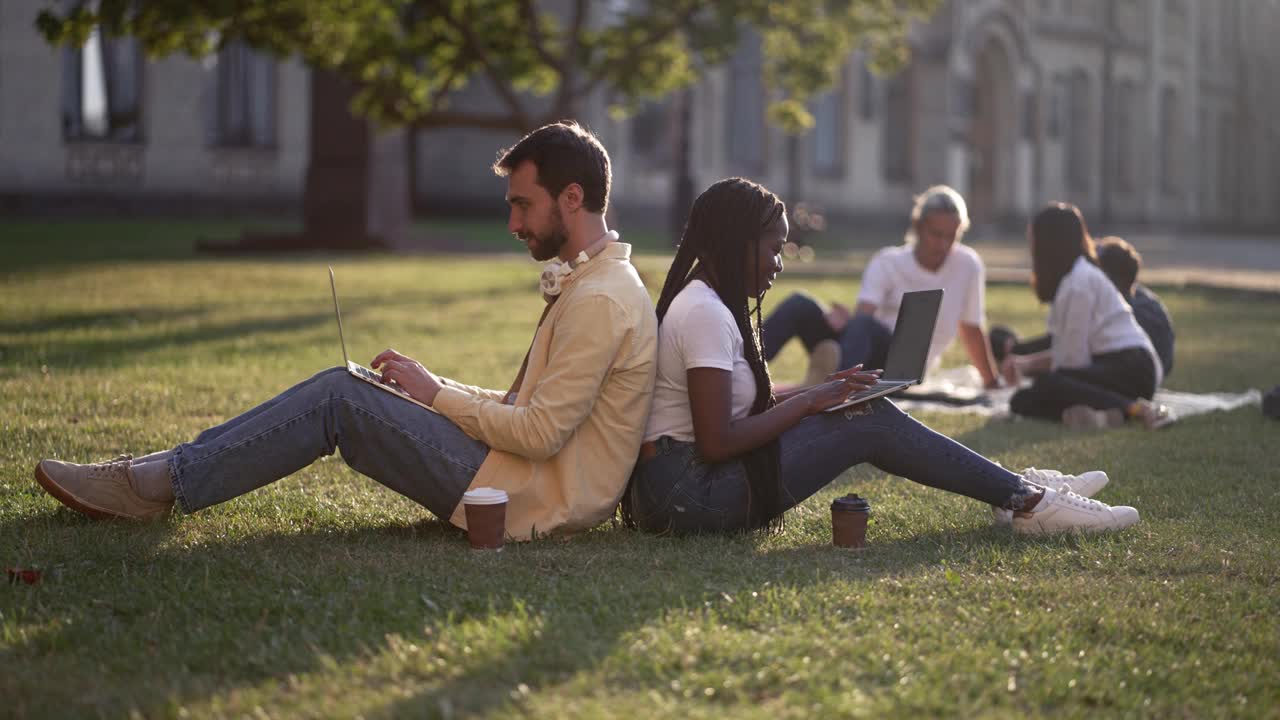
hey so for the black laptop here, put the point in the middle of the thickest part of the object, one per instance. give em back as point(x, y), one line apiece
point(909, 348)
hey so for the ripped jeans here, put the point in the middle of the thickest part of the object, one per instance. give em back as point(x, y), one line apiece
point(676, 491)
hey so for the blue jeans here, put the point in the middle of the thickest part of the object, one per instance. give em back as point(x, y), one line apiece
point(417, 453)
point(863, 339)
point(676, 491)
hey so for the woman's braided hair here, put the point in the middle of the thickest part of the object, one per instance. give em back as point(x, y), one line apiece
point(723, 230)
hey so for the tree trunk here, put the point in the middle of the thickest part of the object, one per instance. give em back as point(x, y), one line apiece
point(682, 188)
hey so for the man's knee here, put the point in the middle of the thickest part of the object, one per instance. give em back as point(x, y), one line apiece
point(800, 302)
point(863, 322)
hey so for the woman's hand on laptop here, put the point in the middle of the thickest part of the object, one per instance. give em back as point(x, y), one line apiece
point(855, 370)
point(409, 374)
point(839, 387)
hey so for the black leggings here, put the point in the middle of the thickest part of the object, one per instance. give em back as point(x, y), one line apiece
point(1112, 380)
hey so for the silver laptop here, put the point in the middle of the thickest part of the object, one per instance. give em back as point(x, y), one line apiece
point(360, 371)
point(908, 350)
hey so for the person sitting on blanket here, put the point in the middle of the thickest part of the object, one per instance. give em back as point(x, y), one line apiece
point(1100, 368)
point(932, 256)
point(722, 453)
point(1120, 261)
point(561, 442)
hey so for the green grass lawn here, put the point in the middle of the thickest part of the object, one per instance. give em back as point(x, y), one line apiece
point(326, 595)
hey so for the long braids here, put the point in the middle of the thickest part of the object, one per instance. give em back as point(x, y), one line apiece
point(726, 221)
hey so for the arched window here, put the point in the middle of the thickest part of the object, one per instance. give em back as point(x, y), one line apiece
point(1170, 142)
point(651, 135)
point(1126, 119)
point(827, 140)
point(1228, 187)
point(244, 98)
point(896, 127)
point(1078, 123)
point(746, 106)
point(102, 89)
point(866, 92)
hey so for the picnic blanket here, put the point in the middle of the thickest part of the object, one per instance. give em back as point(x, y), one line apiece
point(963, 383)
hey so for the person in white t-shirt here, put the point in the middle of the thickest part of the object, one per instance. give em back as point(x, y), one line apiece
point(1101, 367)
point(932, 257)
point(723, 453)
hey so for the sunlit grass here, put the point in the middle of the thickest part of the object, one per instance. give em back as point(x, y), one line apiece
point(326, 595)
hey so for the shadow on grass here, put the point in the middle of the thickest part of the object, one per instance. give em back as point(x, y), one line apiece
point(27, 245)
point(239, 613)
point(150, 335)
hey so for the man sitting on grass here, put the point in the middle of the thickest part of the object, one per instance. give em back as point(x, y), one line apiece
point(561, 442)
point(932, 256)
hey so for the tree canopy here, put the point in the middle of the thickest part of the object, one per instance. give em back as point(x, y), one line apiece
point(408, 57)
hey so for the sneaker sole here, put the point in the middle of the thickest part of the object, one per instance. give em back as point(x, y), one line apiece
point(65, 497)
point(1036, 530)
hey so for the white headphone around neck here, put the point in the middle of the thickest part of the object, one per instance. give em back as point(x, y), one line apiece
point(557, 271)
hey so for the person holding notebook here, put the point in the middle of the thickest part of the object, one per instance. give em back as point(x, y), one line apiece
point(561, 442)
point(722, 453)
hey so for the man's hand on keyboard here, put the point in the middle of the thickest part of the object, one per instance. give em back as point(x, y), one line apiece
point(414, 379)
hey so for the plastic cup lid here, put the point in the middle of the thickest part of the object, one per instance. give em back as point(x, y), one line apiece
point(484, 496)
point(851, 502)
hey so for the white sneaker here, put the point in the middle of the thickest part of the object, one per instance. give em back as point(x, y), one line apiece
point(1085, 484)
point(1083, 417)
point(1065, 510)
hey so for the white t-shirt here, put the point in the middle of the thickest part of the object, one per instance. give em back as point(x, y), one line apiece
point(962, 277)
point(1090, 317)
point(698, 331)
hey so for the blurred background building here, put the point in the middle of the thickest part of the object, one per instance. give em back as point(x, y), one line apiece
point(1144, 112)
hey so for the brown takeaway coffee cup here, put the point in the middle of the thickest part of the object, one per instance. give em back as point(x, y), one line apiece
point(849, 521)
point(486, 510)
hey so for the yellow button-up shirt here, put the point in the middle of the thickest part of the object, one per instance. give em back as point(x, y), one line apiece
point(564, 450)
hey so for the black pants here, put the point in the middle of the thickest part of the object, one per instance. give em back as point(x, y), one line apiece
point(1112, 380)
point(862, 340)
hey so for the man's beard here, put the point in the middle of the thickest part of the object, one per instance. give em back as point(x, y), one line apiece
point(545, 247)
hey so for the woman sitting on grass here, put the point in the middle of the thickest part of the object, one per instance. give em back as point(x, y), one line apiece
point(1101, 367)
point(722, 453)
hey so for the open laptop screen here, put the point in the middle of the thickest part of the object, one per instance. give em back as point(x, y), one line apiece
point(912, 334)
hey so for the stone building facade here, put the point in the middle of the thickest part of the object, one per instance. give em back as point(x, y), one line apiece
point(103, 129)
point(1157, 112)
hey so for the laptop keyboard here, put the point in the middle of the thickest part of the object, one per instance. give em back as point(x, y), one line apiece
point(876, 387)
point(372, 376)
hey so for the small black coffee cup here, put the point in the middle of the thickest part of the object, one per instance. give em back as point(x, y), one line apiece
point(849, 521)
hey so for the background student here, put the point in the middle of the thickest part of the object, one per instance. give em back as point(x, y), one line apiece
point(1101, 367)
point(1121, 262)
point(931, 257)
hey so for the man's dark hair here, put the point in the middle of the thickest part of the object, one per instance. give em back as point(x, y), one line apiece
point(564, 153)
point(1059, 237)
point(1120, 261)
